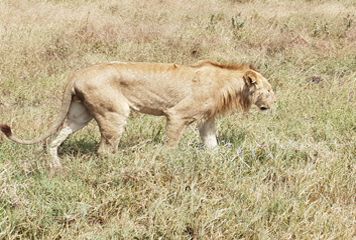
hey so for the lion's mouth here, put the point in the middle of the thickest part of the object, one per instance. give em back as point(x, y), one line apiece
point(264, 108)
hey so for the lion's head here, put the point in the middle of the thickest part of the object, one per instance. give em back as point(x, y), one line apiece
point(260, 91)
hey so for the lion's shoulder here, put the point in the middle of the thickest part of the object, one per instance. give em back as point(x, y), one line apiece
point(236, 67)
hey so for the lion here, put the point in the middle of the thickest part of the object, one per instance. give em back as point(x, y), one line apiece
point(182, 93)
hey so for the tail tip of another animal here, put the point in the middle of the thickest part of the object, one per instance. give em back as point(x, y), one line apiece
point(6, 129)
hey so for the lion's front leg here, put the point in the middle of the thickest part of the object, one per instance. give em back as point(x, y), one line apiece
point(174, 131)
point(207, 132)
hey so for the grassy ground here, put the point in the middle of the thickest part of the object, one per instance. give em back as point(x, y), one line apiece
point(285, 175)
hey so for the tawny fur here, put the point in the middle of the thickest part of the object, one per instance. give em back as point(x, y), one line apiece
point(183, 93)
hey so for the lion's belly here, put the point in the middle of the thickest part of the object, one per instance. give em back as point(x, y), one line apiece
point(151, 102)
point(151, 111)
point(151, 92)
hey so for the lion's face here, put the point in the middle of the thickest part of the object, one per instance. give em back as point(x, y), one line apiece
point(261, 93)
point(264, 96)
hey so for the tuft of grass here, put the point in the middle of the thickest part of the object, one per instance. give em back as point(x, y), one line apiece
point(289, 174)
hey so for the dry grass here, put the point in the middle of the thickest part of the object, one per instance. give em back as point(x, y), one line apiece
point(287, 175)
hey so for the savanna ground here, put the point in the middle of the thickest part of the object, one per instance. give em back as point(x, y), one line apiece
point(285, 175)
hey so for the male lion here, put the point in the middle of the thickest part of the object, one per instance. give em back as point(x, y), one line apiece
point(183, 93)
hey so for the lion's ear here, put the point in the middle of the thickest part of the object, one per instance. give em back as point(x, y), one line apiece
point(250, 78)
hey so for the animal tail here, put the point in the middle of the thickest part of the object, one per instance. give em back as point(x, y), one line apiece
point(67, 98)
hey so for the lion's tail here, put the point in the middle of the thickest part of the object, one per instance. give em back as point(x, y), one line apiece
point(67, 98)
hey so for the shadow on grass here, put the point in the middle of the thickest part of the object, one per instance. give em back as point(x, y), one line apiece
point(232, 137)
point(79, 146)
point(89, 147)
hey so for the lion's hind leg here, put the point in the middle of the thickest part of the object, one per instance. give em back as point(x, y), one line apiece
point(110, 110)
point(77, 118)
point(112, 126)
